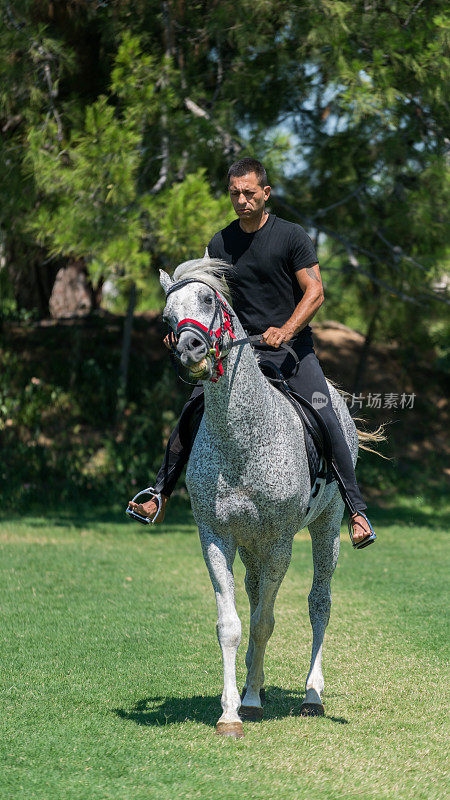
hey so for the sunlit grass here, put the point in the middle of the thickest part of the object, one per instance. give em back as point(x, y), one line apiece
point(111, 671)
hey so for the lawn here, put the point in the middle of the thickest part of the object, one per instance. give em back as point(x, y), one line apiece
point(111, 670)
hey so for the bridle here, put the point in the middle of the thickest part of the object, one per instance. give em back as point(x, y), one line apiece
point(213, 337)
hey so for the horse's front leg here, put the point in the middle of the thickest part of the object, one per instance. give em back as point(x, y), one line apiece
point(252, 576)
point(219, 557)
point(262, 623)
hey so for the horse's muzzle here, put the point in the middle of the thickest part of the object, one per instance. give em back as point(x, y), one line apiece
point(191, 349)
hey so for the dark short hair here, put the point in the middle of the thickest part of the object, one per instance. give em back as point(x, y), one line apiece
point(246, 165)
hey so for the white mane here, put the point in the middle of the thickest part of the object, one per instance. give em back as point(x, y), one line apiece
point(211, 271)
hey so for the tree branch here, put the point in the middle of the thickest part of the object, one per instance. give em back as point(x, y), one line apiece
point(165, 150)
point(165, 156)
point(52, 93)
point(350, 248)
point(322, 211)
point(398, 251)
point(357, 266)
point(219, 77)
point(17, 25)
point(411, 13)
point(231, 146)
point(12, 122)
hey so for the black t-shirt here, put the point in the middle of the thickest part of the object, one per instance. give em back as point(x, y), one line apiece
point(263, 285)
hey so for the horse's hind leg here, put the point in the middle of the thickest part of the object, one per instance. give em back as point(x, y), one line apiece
point(219, 556)
point(262, 623)
point(324, 533)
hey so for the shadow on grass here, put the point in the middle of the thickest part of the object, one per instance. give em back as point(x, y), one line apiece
point(409, 517)
point(158, 711)
point(179, 515)
point(84, 514)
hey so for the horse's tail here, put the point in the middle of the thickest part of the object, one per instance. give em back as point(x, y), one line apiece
point(376, 437)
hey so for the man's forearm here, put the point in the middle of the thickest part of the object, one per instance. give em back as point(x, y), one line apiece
point(304, 312)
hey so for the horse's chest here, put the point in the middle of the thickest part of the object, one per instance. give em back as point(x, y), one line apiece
point(269, 465)
point(235, 511)
point(243, 496)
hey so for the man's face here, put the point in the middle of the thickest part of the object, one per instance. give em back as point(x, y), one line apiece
point(247, 196)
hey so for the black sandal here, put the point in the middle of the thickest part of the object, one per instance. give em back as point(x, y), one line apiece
point(362, 542)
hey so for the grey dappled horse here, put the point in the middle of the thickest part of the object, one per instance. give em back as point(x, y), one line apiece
point(249, 483)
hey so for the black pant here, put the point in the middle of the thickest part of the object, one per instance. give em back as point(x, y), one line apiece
point(309, 382)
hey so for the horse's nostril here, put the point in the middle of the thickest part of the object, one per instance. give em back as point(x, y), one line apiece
point(194, 343)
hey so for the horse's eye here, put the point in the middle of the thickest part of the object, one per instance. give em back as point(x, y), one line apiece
point(208, 299)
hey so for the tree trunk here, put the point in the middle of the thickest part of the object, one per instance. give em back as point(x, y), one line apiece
point(363, 356)
point(31, 273)
point(126, 343)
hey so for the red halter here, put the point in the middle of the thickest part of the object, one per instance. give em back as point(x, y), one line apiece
point(213, 338)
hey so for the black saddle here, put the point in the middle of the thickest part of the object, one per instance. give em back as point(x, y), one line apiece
point(317, 436)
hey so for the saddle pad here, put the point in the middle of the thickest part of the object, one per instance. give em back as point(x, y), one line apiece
point(311, 421)
point(314, 457)
point(313, 435)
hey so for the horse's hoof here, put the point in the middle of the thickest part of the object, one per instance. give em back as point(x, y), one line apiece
point(233, 729)
point(251, 713)
point(262, 694)
point(312, 710)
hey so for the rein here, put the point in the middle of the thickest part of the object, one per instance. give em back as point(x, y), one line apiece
point(214, 338)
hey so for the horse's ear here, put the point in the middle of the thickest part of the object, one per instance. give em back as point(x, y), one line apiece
point(165, 280)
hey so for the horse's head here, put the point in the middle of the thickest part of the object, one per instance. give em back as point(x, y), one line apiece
point(200, 319)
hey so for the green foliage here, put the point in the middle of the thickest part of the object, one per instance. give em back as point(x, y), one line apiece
point(134, 80)
point(59, 430)
point(185, 216)
point(119, 122)
point(31, 61)
point(90, 192)
point(93, 204)
point(133, 456)
point(106, 108)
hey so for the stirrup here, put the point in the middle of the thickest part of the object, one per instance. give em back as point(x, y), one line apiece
point(138, 517)
point(368, 539)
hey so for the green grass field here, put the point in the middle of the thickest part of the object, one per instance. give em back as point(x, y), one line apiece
point(111, 670)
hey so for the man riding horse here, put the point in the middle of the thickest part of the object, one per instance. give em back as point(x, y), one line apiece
point(276, 289)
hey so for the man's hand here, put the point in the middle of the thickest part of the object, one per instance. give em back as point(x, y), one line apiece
point(170, 340)
point(276, 336)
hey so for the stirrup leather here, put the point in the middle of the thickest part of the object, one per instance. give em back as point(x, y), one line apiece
point(138, 517)
point(368, 539)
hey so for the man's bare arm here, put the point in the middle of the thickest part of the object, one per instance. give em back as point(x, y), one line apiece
point(310, 281)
